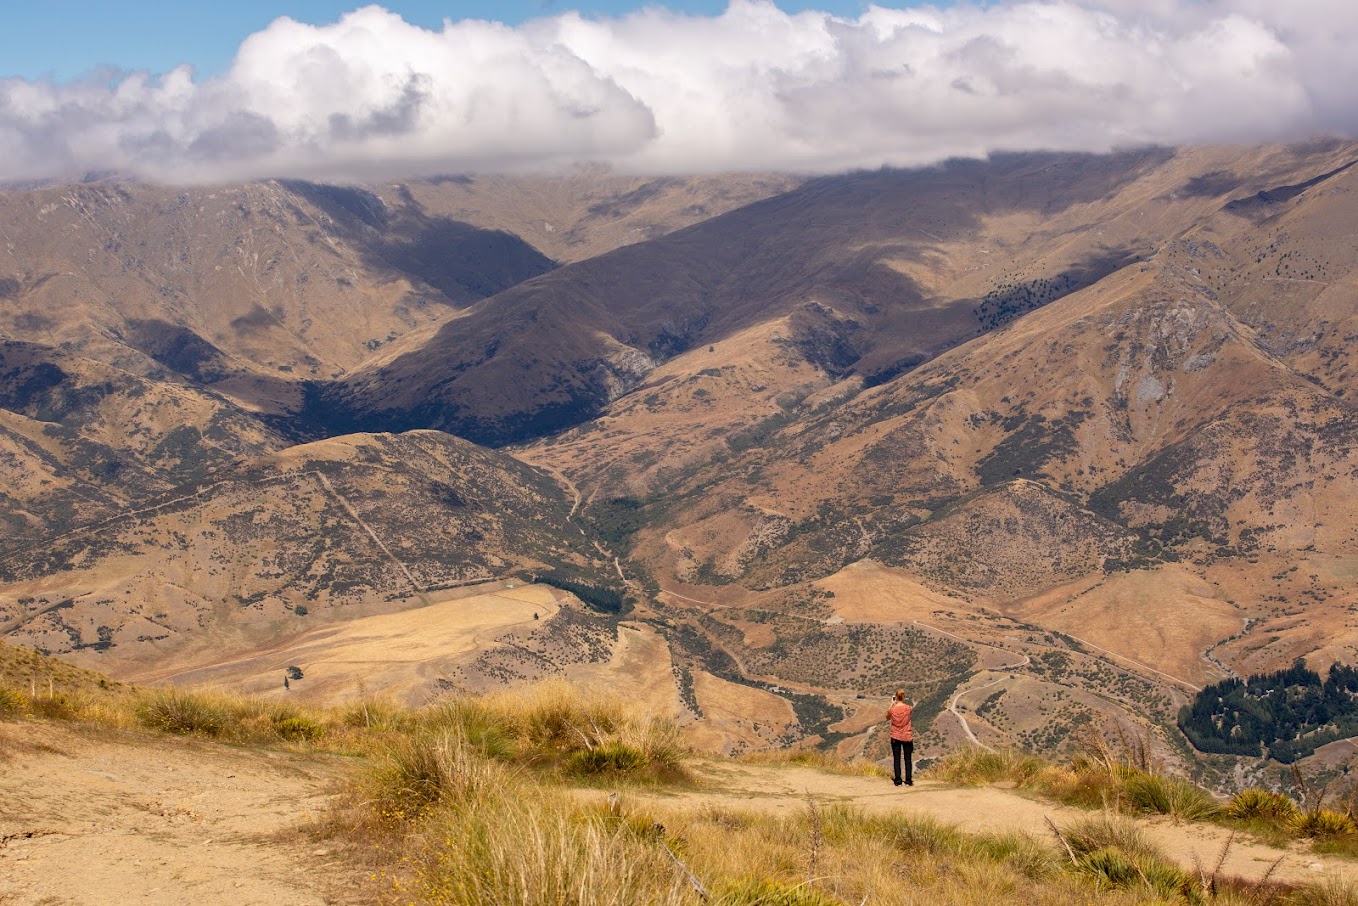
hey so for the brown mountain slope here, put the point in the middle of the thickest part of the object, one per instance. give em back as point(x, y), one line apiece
point(588, 212)
point(1128, 368)
point(1051, 439)
point(1140, 454)
point(875, 272)
point(322, 532)
point(246, 288)
point(82, 440)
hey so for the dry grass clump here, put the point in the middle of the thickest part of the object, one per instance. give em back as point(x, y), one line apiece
point(828, 762)
point(230, 717)
point(1096, 778)
point(555, 726)
point(764, 892)
point(1256, 803)
point(517, 845)
point(12, 703)
point(1161, 795)
point(1107, 831)
point(464, 827)
point(1329, 892)
point(375, 714)
point(413, 774)
point(1322, 823)
point(977, 767)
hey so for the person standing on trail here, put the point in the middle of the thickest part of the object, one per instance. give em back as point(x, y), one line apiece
point(902, 738)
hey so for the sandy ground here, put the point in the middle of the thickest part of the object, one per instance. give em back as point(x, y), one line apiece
point(99, 817)
point(784, 788)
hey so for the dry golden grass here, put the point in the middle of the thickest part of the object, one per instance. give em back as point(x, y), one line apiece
point(819, 759)
point(1098, 778)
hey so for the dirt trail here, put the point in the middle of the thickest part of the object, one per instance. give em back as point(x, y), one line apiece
point(101, 816)
point(784, 788)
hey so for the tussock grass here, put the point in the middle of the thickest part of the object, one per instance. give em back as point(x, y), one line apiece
point(818, 759)
point(1161, 795)
point(977, 767)
point(215, 715)
point(1322, 823)
point(1089, 781)
point(501, 846)
point(185, 713)
point(1329, 892)
point(1259, 803)
point(375, 714)
point(763, 892)
point(1115, 853)
point(12, 703)
point(1102, 832)
point(557, 728)
point(413, 774)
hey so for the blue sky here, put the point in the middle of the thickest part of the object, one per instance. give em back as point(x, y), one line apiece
point(62, 39)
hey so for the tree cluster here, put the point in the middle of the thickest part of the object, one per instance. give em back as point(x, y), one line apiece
point(1286, 715)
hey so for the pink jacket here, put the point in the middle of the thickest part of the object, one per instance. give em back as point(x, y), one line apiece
point(899, 715)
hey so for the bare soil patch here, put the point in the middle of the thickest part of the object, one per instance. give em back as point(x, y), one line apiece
point(104, 816)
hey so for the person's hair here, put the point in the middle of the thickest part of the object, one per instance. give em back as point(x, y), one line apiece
point(900, 695)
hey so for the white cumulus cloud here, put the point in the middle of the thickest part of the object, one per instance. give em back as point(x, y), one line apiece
point(661, 92)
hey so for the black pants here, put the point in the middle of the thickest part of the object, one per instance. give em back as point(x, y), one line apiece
point(899, 747)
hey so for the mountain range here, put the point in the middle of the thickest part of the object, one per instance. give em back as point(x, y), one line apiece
point(1072, 431)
